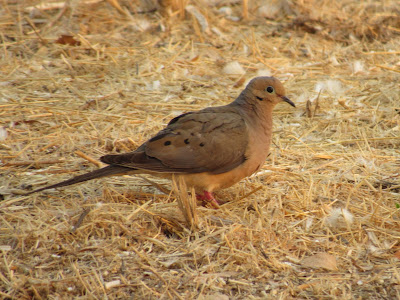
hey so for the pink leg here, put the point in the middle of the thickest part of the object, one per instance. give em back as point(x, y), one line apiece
point(208, 197)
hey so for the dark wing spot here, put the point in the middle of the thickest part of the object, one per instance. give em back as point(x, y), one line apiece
point(186, 141)
point(201, 145)
point(167, 143)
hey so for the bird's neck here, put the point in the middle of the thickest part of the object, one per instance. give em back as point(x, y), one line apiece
point(255, 115)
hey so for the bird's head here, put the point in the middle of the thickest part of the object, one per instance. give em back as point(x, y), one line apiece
point(266, 91)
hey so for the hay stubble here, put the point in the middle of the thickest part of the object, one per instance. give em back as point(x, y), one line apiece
point(330, 185)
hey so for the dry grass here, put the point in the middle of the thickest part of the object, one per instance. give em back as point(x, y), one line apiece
point(331, 184)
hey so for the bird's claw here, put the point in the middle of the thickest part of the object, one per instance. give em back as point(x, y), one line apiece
point(208, 197)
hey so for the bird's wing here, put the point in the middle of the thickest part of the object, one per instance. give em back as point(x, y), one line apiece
point(212, 140)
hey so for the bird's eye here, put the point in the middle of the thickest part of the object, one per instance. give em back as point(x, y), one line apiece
point(270, 89)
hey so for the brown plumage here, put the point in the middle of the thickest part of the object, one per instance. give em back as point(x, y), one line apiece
point(212, 148)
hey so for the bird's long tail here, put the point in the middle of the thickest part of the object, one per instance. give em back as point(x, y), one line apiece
point(103, 172)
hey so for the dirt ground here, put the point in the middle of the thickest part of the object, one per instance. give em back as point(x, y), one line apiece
point(81, 79)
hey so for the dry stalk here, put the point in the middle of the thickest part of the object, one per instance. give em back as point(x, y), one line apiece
point(186, 201)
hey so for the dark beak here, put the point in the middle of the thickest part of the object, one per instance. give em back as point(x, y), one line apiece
point(286, 99)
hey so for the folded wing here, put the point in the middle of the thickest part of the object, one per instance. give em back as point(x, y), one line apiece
point(210, 140)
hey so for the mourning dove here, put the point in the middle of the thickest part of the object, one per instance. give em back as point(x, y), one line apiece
point(211, 149)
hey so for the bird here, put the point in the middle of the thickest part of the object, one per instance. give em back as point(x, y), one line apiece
point(212, 148)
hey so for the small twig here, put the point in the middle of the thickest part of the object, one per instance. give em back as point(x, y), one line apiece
point(388, 68)
point(33, 162)
point(308, 109)
point(186, 202)
point(245, 11)
point(245, 196)
point(316, 104)
point(359, 140)
point(80, 220)
point(62, 171)
point(88, 158)
point(60, 14)
point(251, 193)
point(36, 32)
point(323, 166)
point(156, 185)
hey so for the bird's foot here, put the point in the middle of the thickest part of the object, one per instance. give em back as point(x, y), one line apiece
point(208, 197)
